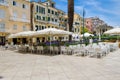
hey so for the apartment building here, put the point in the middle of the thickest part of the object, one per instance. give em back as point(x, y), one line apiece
point(14, 17)
point(95, 24)
point(45, 15)
point(77, 23)
point(89, 24)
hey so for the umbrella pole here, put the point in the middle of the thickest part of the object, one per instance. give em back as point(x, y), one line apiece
point(50, 43)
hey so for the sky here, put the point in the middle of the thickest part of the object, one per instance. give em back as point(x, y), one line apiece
point(106, 10)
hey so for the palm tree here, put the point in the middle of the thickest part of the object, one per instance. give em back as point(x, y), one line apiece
point(70, 16)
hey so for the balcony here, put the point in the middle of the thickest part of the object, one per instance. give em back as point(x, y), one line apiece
point(19, 19)
point(40, 21)
point(54, 23)
point(3, 3)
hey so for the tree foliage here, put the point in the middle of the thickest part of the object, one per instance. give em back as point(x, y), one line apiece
point(85, 30)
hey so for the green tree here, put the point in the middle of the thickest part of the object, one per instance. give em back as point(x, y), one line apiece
point(85, 30)
point(70, 16)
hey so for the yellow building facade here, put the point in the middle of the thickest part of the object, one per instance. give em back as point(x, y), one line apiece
point(45, 15)
point(14, 17)
point(77, 23)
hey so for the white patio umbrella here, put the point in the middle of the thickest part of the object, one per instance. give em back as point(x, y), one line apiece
point(114, 31)
point(11, 36)
point(52, 32)
point(22, 34)
point(87, 35)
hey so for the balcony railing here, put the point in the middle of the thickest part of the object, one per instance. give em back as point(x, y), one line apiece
point(3, 3)
point(42, 21)
point(54, 23)
point(20, 19)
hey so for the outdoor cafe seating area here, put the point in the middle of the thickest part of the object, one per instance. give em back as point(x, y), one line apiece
point(99, 49)
point(92, 50)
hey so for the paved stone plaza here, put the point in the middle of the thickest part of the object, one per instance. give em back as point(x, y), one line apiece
point(18, 66)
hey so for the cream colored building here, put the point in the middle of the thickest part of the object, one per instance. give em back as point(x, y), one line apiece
point(14, 17)
point(45, 15)
point(77, 23)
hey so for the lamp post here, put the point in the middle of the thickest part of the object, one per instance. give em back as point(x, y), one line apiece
point(83, 24)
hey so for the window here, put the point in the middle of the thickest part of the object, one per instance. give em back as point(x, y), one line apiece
point(52, 12)
point(75, 29)
point(47, 4)
point(56, 13)
point(24, 28)
point(2, 14)
point(14, 3)
point(52, 19)
point(14, 27)
point(36, 28)
point(53, 5)
point(23, 6)
point(37, 8)
point(45, 27)
point(43, 10)
point(14, 14)
point(48, 10)
point(43, 18)
point(48, 18)
point(48, 26)
point(2, 27)
point(42, 27)
point(55, 20)
point(24, 16)
point(39, 27)
point(37, 17)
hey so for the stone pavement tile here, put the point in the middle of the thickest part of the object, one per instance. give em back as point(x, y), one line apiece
point(54, 70)
point(77, 76)
point(58, 76)
point(113, 77)
point(40, 77)
point(98, 78)
point(37, 73)
point(91, 73)
point(20, 78)
point(6, 78)
point(23, 73)
point(7, 74)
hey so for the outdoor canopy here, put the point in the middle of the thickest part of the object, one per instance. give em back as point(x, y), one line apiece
point(45, 32)
point(114, 31)
point(87, 35)
point(22, 34)
point(52, 32)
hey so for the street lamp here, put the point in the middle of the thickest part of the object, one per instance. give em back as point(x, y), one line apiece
point(83, 24)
